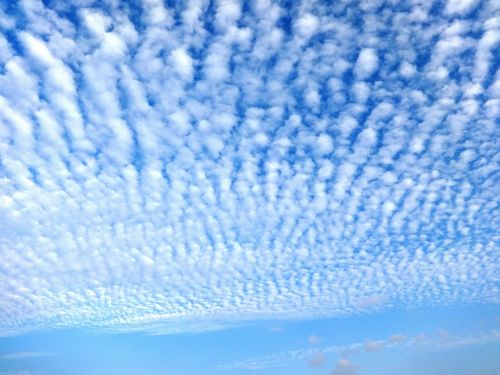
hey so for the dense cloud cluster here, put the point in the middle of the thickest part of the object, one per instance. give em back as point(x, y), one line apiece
point(168, 164)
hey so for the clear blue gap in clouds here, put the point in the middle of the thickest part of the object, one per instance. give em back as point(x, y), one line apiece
point(173, 167)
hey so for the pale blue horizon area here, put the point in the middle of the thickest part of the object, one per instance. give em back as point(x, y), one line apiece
point(456, 340)
point(201, 187)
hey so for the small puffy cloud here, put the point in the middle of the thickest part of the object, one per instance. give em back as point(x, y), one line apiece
point(317, 360)
point(313, 340)
point(397, 338)
point(113, 45)
point(345, 367)
point(367, 63)
point(406, 69)
point(96, 22)
point(324, 144)
point(214, 144)
point(216, 65)
point(307, 25)
point(182, 63)
point(312, 98)
point(228, 12)
point(361, 91)
point(374, 345)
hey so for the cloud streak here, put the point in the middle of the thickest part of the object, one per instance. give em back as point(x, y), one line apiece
point(24, 355)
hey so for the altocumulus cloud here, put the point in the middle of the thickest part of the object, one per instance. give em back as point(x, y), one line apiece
point(226, 160)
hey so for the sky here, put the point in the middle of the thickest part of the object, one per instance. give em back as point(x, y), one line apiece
point(249, 187)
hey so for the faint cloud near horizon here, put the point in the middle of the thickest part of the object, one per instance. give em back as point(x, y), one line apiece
point(313, 340)
point(374, 345)
point(317, 360)
point(276, 330)
point(345, 367)
point(317, 357)
point(23, 355)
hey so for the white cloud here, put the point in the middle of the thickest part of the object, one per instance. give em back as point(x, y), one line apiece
point(182, 62)
point(228, 12)
point(406, 69)
point(324, 144)
point(38, 49)
point(367, 62)
point(459, 6)
point(96, 22)
point(307, 25)
point(361, 91)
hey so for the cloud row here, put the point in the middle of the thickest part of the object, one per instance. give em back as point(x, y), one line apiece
point(343, 354)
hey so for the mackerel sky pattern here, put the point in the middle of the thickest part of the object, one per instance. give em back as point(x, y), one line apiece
point(183, 165)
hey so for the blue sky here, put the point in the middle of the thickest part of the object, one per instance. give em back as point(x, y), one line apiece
point(250, 177)
point(456, 340)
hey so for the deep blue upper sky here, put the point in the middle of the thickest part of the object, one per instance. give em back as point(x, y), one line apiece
point(179, 167)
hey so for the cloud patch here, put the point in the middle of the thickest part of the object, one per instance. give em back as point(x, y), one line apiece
point(317, 360)
point(345, 367)
point(374, 345)
point(24, 355)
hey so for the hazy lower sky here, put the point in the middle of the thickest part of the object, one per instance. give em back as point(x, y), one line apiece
point(240, 187)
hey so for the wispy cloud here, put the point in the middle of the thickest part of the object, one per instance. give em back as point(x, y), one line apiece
point(25, 355)
point(374, 345)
